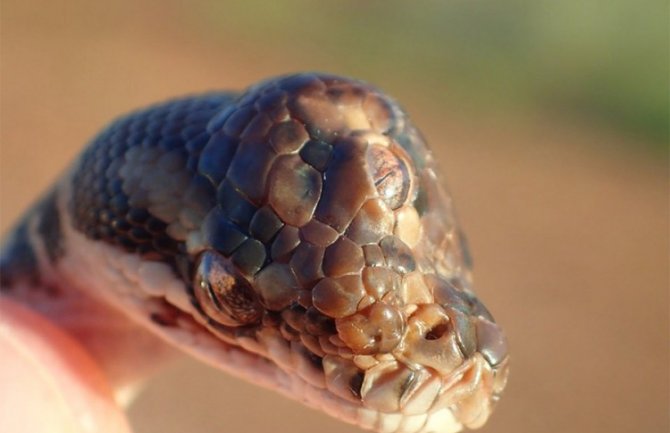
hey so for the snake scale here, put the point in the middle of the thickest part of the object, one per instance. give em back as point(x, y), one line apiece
point(295, 234)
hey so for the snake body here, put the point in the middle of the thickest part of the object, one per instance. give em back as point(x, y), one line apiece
point(295, 234)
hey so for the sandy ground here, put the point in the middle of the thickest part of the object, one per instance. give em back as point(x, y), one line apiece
point(569, 228)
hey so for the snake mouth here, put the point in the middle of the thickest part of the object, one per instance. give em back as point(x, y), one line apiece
point(443, 359)
point(448, 362)
point(386, 393)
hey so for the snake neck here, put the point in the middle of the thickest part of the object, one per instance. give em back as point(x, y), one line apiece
point(30, 274)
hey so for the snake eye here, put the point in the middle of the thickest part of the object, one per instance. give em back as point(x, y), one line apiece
point(391, 176)
point(223, 295)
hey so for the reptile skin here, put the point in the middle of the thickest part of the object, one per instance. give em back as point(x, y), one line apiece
point(296, 234)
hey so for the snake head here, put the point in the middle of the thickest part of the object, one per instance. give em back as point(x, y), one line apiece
point(346, 253)
point(314, 237)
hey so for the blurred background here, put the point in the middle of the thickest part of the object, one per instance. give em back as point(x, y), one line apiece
point(550, 121)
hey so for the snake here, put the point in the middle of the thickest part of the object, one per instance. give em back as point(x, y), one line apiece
point(296, 234)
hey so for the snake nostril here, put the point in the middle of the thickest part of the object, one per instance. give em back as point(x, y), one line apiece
point(431, 341)
point(437, 331)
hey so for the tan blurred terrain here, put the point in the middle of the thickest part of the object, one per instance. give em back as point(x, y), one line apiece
point(568, 224)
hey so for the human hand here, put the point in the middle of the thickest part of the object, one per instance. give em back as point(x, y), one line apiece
point(49, 382)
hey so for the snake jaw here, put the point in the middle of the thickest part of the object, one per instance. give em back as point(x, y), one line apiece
point(320, 247)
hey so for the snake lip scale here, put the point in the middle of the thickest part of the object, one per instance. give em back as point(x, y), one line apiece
point(295, 234)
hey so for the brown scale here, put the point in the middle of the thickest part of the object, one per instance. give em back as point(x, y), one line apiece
point(318, 233)
point(286, 241)
point(277, 286)
point(273, 103)
point(348, 185)
point(288, 136)
point(338, 297)
point(380, 281)
point(257, 128)
point(294, 190)
point(373, 255)
point(414, 289)
point(306, 263)
point(252, 157)
point(373, 221)
point(342, 258)
point(376, 329)
point(294, 317)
